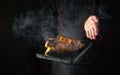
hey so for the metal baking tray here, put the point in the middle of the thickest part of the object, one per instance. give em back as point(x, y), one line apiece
point(74, 58)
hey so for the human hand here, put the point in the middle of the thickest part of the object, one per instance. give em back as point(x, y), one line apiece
point(91, 27)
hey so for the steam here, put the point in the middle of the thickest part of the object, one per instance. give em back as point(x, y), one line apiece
point(36, 26)
point(40, 25)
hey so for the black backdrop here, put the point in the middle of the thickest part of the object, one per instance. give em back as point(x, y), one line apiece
point(16, 60)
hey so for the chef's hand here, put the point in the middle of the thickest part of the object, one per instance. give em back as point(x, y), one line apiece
point(91, 27)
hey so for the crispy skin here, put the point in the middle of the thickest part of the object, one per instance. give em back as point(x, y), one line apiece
point(63, 44)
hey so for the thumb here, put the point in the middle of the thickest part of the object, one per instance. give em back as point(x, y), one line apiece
point(94, 18)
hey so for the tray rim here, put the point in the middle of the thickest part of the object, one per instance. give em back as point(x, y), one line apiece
point(58, 59)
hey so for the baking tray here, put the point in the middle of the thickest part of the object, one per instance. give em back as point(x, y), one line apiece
point(75, 57)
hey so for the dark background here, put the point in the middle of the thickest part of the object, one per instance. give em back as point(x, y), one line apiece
point(16, 60)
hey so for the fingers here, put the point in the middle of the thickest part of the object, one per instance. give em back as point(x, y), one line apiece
point(91, 27)
point(94, 33)
point(91, 34)
point(95, 29)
